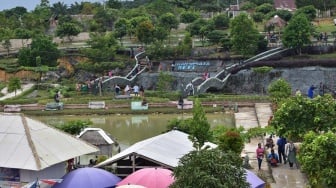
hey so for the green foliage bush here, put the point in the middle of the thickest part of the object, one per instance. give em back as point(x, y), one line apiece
point(74, 127)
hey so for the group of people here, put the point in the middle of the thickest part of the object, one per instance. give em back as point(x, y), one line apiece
point(286, 153)
point(136, 90)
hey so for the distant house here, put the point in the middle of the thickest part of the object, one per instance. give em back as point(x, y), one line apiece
point(99, 138)
point(31, 150)
point(285, 5)
point(164, 150)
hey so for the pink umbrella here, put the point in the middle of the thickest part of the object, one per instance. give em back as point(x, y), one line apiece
point(150, 178)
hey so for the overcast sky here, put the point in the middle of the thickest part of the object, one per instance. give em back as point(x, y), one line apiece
point(31, 4)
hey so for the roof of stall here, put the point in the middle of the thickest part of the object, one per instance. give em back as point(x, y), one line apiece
point(29, 144)
point(96, 136)
point(165, 149)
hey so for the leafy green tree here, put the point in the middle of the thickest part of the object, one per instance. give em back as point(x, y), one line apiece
point(59, 8)
point(221, 21)
point(43, 47)
point(298, 115)
point(5, 36)
point(309, 11)
point(23, 34)
point(297, 33)
point(184, 47)
point(317, 154)
point(201, 28)
point(105, 18)
point(7, 45)
point(120, 29)
point(160, 34)
point(68, 30)
point(169, 21)
point(216, 36)
point(103, 47)
point(145, 31)
point(199, 127)
point(244, 36)
point(231, 140)
point(14, 84)
point(210, 168)
point(265, 8)
point(164, 82)
point(134, 22)
point(74, 127)
point(189, 16)
point(279, 90)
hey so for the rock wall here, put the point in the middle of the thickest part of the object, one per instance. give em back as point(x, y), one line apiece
point(249, 82)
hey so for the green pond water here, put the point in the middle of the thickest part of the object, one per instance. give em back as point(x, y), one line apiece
point(129, 129)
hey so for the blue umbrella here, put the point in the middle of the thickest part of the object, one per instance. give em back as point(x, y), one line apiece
point(88, 178)
point(254, 180)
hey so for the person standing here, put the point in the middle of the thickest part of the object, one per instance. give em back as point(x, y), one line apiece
point(57, 96)
point(291, 154)
point(260, 155)
point(136, 90)
point(117, 89)
point(142, 91)
point(311, 91)
point(190, 89)
point(281, 149)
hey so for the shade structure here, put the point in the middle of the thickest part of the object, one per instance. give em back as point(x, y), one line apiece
point(131, 186)
point(254, 180)
point(88, 178)
point(149, 178)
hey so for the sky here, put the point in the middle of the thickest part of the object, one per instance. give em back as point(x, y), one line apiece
point(31, 4)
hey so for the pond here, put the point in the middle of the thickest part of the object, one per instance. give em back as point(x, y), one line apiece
point(129, 129)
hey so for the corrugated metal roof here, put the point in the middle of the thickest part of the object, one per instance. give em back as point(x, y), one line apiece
point(166, 149)
point(29, 144)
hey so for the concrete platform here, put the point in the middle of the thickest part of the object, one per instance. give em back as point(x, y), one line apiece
point(277, 177)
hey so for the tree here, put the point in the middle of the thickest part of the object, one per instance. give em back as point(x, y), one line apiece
point(103, 47)
point(23, 34)
point(199, 127)
point(244, 36)
point(5, 36)
point(145, 31)
point(221, 21)
point(231, 140)
point(68, 30)
point(309, 11)
point(189, 16)
point(265, 8)
point(41, 46)
point(14, 84)
point(74, 127)
point(120, 29)
point(210, 168)
point(297, 33)
point(279, 90)
point(317, 158)
point(298, 115)
point(164, 82)
point(169, 21)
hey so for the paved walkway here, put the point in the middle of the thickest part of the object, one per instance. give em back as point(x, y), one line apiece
point(7, 95)
point(278, 177)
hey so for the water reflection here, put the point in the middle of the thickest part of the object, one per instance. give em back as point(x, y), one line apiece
point(129, 129)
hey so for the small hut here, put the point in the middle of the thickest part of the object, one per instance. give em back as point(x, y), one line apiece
point(99, 138)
